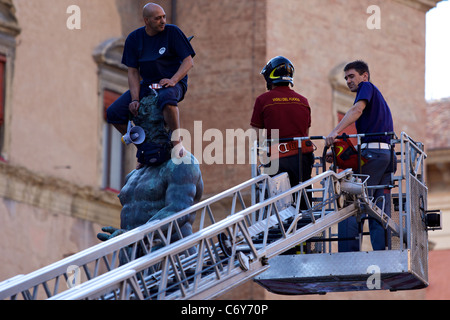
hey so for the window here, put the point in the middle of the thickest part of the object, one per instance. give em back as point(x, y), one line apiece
point(113, 149)
point(9, 29)
point(117, 159)
point(2, 99)
point(343, 98)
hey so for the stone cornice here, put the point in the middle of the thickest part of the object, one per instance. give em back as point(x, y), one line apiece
point(438, 156)
point(8, 20)
point(59, 196)
point(423, 5)
point(109, 53)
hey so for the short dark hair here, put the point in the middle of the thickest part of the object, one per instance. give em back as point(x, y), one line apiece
point(360, 67)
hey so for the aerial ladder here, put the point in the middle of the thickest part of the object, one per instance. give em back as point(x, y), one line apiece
point(254, 242)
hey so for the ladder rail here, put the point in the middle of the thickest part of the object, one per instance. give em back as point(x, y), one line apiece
point(60, 268)
point(108, 253)
point(214, 283)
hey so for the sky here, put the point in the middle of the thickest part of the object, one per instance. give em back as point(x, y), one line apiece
point(437, 83)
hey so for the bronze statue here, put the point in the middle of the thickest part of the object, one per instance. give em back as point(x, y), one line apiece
point(156, 190)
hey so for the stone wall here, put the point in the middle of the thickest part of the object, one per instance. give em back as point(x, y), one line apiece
point(51, 202)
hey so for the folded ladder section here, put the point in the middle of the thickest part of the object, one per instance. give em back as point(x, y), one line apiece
point(106, 257)
point(228, 252)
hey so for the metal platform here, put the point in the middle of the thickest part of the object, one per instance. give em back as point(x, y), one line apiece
point(403, 266)
point(340, 272)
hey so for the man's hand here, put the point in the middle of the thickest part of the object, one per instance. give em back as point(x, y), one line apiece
point(330, 139)
point(167, 83)
point(186, 65)
point(350, 117)
point(134, 84)
point(134, 107)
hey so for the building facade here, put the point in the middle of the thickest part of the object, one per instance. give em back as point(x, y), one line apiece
point(62, 165)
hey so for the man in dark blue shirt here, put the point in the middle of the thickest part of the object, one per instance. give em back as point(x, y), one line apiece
point(162, 56)
point(372, 115)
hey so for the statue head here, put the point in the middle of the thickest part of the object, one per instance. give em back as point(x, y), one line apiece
point(151, 119)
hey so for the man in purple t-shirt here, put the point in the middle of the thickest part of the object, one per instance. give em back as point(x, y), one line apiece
point(372, 115)
point(161, 55)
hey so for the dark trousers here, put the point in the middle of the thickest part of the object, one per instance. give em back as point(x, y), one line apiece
point(379, 168)
point(292, 165)
point(118, 112)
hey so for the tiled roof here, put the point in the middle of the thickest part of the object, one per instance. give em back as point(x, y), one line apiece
point(438, 124)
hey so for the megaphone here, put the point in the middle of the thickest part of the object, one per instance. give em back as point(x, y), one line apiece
point(134, 135)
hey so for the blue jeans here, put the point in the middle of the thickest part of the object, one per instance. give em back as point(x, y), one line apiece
point(118, 112)
point(379, 167)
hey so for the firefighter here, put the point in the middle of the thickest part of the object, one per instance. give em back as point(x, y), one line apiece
point(283, 109)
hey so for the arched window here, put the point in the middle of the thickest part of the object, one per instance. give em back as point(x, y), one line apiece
point(343, 98)
point(9, 29)
point(117, 159)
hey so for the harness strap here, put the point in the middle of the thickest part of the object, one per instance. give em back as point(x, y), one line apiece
point(287, 149)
